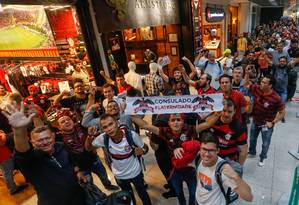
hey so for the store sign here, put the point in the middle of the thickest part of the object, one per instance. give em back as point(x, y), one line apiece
point(118, 15)
point(174, 104)
point(197, 25)
point(214, 14)
point(30, 53)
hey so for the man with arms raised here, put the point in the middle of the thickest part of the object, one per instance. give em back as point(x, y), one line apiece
point(46, 165)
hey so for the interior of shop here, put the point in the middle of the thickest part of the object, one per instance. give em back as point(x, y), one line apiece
point(41, 45)
point(143, 45)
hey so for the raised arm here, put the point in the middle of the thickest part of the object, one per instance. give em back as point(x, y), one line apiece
point(108, 80)
point(242, 188)
point(210, 121)
point(19, 122)
point(187, 78)
point(161, 72)
point(192, 67)
point(60, 96)
point(145, 125)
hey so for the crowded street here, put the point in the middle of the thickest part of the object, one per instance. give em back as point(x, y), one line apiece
point(149, 102)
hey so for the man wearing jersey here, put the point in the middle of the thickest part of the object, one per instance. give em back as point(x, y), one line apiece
point(125, 164)
point(231, 134)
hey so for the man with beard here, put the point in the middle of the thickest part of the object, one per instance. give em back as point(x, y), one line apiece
point(78, 101)
point(177, 82)
point(203, 85)
point(46, 165)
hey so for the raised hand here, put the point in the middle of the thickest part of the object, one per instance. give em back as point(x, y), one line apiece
point(17, 117)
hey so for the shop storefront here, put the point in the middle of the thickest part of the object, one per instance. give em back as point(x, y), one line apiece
point(42, 44)
point(140, 31)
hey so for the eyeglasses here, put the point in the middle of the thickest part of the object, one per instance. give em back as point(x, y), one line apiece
point(209, 151)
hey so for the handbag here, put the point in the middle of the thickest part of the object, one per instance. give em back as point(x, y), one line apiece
point(94, 196)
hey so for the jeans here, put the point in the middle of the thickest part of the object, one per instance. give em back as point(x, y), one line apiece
point(99, 169)
point(284, 96)
point(138, 182)
point(7, 171)
point(266, 139)
point(189, 176)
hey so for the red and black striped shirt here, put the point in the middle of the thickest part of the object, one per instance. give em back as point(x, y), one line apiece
point(175, 140)
point(265, 106)
point(230, 137)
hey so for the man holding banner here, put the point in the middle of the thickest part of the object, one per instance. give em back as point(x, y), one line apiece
point(175, 135)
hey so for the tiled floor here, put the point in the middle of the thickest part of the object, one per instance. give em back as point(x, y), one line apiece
point(268, 183)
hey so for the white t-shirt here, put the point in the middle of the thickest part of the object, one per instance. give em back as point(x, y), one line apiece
point(208, 191)
point(125, 168)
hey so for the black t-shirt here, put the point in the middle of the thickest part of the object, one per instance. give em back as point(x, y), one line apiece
point(52, 176)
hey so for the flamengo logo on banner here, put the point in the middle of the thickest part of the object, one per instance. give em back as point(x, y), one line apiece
point(174, 104)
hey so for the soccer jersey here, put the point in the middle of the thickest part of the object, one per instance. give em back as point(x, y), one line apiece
point(230, 137)
point(129, 166)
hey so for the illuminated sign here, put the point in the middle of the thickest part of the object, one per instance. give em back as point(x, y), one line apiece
point(214, 14)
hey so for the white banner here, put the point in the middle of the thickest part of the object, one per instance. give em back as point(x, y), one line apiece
point(174, 104)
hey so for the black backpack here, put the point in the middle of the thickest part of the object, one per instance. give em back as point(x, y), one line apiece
point(128, 135)
point(229, 195)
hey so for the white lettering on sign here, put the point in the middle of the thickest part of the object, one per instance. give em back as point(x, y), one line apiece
point(216, 15)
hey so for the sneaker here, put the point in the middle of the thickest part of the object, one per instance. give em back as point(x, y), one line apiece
point(19, 189)
point(261, 162)
point(111, 187)
point(168, 194)
point(251, 155)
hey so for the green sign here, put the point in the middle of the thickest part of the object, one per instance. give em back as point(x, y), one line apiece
point(294, 198)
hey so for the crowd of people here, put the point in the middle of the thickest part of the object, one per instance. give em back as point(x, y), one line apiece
point(55, 143)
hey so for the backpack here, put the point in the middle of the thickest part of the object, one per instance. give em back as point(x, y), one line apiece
point(230, 196)
point(206, 64)
point(129, 138)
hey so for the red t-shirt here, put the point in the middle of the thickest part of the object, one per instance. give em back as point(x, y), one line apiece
point(240, 103)
point(5, 153)
point(265, 106)
point(201, 91)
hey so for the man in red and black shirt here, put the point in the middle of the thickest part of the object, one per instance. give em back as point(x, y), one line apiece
point(268, 109)
point(241, 105)
point(231, 134)
point(36, 98)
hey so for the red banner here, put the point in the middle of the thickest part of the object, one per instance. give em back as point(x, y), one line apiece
point(46, 52)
